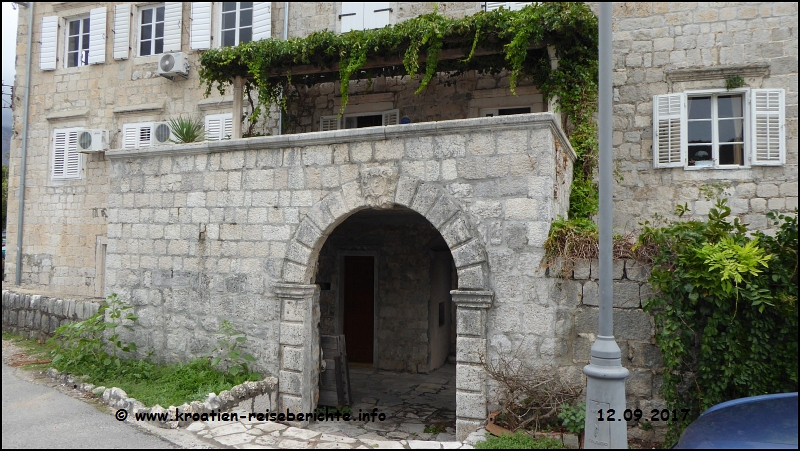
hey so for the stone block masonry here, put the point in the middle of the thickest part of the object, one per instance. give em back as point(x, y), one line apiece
point(36, 316)
point(233, 230)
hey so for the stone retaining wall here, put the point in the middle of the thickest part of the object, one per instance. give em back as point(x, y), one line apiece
point(38, 316)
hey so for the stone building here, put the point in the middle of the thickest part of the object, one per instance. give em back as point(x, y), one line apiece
point(446, 214)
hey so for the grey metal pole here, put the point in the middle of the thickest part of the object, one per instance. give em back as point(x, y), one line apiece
point(24, 149)
point(605, 375)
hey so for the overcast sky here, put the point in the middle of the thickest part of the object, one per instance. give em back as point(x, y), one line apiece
point(9, 51)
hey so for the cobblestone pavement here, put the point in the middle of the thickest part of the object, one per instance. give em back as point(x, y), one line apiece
point(411, 403)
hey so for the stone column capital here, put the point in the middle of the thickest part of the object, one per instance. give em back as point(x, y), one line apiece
point(294, 290)
point(472, 299)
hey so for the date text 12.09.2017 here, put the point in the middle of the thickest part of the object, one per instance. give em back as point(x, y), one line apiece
point(638, 415)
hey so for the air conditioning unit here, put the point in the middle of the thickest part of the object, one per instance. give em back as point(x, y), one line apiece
point(92, 141)
point(172, 64)
point(161, 133)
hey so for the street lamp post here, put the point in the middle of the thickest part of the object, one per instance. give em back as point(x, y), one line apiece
point(605, 388)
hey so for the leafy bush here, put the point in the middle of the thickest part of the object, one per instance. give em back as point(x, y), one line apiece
point(186, 130)
point(228, 350)
point(573, 417)
point(725, 306)
point(80, 347)
point(519, 440)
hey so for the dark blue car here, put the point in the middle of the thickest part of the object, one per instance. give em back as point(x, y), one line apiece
point(767, 421)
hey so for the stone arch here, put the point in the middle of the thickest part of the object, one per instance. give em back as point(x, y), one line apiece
point(379, 187)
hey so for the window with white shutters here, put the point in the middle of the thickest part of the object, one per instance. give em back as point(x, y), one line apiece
point(360, 120)
point(122, 25)
point(67, 162)
point(236, 25)
point(145, 134)
point(49, 38)
point(719, 129)
point(364, 15)
point(219, 126)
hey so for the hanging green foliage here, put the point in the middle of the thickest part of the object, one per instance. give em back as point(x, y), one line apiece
point(490, 42)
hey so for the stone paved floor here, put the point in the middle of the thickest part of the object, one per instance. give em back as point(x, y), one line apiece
point(411, 403)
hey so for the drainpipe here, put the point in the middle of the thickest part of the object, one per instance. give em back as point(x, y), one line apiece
point(24, 150)
point(285, 38)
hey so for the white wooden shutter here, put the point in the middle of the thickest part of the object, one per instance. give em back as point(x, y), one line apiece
point(66, 158)
point(391, 117)
point(262, 20)
point(669, 123)
point(352, 16)
point(219, 126)
point(173, 20)
point(516, 6)
point(201, 26)
point(137, 135)
point(122, 27)
point(376, 15)
point(130, 136)
point(97, 36)
point(768, 136)
point(328, 123)
point(47, 53)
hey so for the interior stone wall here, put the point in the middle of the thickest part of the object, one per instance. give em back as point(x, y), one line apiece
point(402, 243)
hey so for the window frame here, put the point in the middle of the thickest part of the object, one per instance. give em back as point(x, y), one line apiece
point(341, 121)
point(219, 30)
point(82, 19)
point(139, 24)
point(66, 174)
point(496, 111)
point(746, 131)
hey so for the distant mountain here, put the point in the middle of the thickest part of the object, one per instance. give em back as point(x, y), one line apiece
point(7, 133)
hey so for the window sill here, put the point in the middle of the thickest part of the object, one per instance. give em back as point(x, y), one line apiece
point(149, 59)
point(712, 168)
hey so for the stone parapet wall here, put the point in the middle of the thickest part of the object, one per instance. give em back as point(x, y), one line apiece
point(38, 316)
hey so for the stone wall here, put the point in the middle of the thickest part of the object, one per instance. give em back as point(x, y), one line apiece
point(233, 230)
point(65, 220)
point(37, 316)
point(663, 47)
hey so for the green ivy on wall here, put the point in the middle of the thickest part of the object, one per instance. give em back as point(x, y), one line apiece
point(515, 41)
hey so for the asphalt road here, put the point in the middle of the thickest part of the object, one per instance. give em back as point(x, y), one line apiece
point(39, 416)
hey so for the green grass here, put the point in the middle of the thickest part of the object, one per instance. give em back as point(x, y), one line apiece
point(434, 429)
point(519, 440)
point(146, 381)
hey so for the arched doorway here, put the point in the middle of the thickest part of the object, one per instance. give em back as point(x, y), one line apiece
point(385, 278)
point(382, 188)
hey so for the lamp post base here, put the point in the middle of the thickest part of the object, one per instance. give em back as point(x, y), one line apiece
point(605, 397)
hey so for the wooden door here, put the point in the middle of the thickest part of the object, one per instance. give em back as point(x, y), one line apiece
point(359, 307)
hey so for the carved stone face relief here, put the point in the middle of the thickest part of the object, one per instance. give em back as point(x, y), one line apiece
point(378, 184)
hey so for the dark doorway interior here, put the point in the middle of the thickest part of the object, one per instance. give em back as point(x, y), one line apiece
point(359, 307)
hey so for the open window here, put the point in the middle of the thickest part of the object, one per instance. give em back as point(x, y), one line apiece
point(492, 112)
point(719, 129)
point(360, 120)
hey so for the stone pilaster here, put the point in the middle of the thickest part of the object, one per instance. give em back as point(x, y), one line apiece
point(471, 314)
point(298, 388)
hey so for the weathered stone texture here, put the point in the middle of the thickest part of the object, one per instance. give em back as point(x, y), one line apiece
point(653, 39)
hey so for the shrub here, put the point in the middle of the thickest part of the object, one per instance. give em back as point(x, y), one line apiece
point(519, 440)
point(186, 130)
point(725, 307)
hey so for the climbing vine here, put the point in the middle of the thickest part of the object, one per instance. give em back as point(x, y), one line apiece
point(725, 308)
point(490, 42)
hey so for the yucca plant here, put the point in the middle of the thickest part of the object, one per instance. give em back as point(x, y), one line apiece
point(186, 130)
